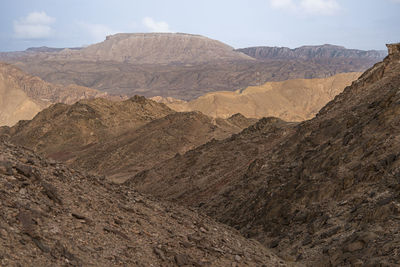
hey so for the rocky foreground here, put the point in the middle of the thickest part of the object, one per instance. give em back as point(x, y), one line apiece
point(55, 216)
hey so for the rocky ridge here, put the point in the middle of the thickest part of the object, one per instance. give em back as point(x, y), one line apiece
point(139, 149)
point(317, 52)
point(62, 130)
point(118, 139)
point(322, 192)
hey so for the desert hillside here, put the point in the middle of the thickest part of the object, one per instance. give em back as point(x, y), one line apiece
point(321, 192)
point(22, 96)
point(52, 215)
point(62, 130)
point(118, 139)
point(291, 100)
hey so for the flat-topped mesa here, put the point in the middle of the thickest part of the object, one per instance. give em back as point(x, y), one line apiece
point(151, 34)
point(160, 48)
point(393, 49)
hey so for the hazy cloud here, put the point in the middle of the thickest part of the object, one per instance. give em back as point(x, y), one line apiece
point(396, 1)
point(283, 4)
point(97, 32)
point(321, 7)
point(35, 25)
point(311, 7)
point(155, 26)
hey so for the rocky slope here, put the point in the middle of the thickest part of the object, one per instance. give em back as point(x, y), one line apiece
point(139, 149)
point(317, 52)
point(55, 216)
point(183, 66)
point(292, 100)
point(323, 192)
point(61, 131)
point(22, 96)
point(118, 139)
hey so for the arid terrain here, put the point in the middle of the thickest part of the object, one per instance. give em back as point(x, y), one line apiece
point(56, 216)
point(261, 156)
point(322, 192)
point(22, 96)
point(118, 138)
point(182, 66)
point(291, 100)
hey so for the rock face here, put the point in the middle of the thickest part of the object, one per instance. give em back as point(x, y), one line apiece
point(318, 52)
point(55, 216)
point(22, 96)
point(119, 139)
point(182, 66)
point(324, 192)
point(292, 100)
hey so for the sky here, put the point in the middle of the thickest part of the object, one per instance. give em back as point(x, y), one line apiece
point(360, 24)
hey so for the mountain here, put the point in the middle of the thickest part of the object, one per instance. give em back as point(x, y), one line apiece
point(291, 100)
point(49, 49)
point(158, 48)
point(183, 66)
point(61, 131)
point(22, 96)
point(118, 139)
point(318, 52)
point(323, 192)
point(143, 48)
point(52, 215)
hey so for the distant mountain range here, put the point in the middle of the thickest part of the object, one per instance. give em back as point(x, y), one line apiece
point(317, 52)
point(182, 66)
